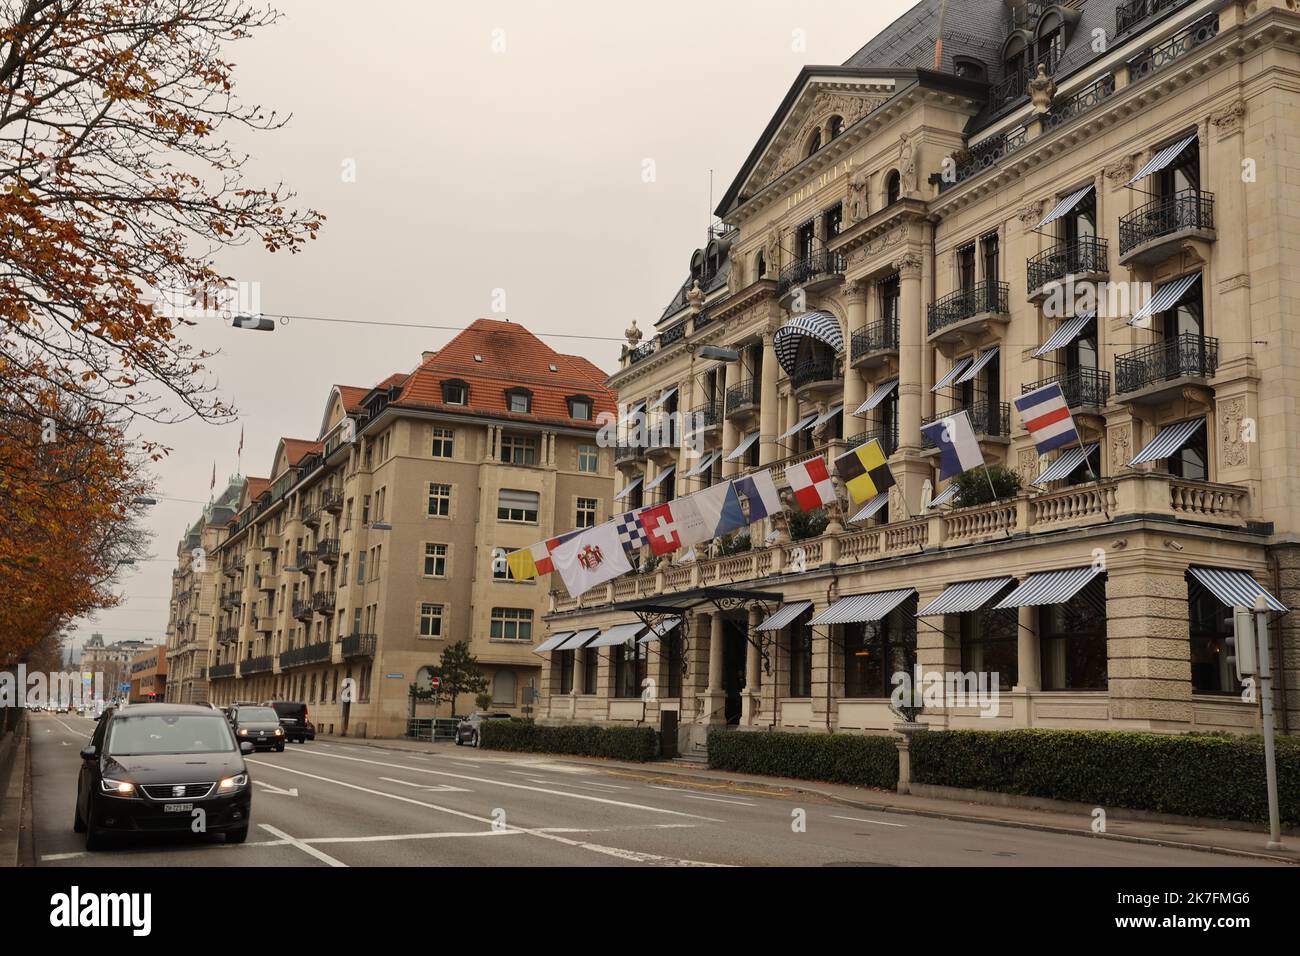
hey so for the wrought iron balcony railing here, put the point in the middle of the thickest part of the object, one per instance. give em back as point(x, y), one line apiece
point(1186, 355)
point(815, 370)
point(1086, 99)
point(888, 436)
point(311, 516)
point(302, 609)
point(358, 645)
point(256, 665)
point(323, 602)
point(327, 550)
point(672, 334)
point(877, 337)
point(1080, 386)
point(708, 415)
point(642, 351)
point(218, 671)
point(1129, 15)
point(987, 418)
point(983, 297)
point(1187, 209)
point(742, 395)
point(306, 561)
point(332, 500)
point(624, 452)
point(1076, 257)
point(1179, 45)
point(311, 654)
point(810, 267)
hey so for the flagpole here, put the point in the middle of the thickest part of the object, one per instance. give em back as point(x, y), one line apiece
point(1087, 460)
point(989, 478)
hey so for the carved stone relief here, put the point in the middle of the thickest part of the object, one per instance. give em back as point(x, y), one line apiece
point(1121, 443)
point(1235, 453)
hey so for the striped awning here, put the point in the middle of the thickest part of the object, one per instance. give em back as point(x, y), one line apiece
point(632, 411)
point(704, 464)
point(1236, 589)
point(1049, 587)
point(833, 412)
point(964, 597)
point(667, 394)
point(552, 642)
point(822, 326)
point(659, 630)
point(798, 426)
point(660, 478)
point(953, 373)
point(784, 616)
point(1166, 297)
point(739, 451)
point(944, 496)
point(1168, 441)
point(618, 634)
point(872, 506)
point(1065, 205)
point(988, 355)
point(1162, 159)
point(876, 397)
point(1065, 463)
point(863, 607)
point(1065, 333)
point(578, 639)
point(629, 488)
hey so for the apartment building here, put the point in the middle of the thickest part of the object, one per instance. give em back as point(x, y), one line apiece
point(373, 546)
point(896, 249)
point(147, 675)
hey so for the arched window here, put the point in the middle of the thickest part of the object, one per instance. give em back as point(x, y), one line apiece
point(760, 265)
point(1050, 42)
point(503, 688)
point(835, 125)
point(893, 187)
point(814, 143)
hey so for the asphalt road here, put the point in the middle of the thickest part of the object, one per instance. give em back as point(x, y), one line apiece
point(329, 803)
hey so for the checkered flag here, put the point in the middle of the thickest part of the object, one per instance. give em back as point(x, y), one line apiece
point(630, 533)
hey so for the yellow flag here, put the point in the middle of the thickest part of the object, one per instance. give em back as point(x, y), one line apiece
point(521, 565)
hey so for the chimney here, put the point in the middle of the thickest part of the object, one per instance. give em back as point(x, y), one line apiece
point(425, 356)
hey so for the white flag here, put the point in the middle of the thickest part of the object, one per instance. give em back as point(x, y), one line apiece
point(591, 558)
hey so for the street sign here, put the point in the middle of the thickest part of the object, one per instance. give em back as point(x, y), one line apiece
point(124, 687)
point(395, 676)
point(435, 682)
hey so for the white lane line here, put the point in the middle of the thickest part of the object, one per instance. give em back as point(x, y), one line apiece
point(433, 788)
point(516, 786)
point(71, 730)
point(461, 763)
point(695, 796)
point(291, 792)
point(632, 856)
point(309, 850)
point(879, 823)
point(600, 787)
point(53, 857)
point(443, 835)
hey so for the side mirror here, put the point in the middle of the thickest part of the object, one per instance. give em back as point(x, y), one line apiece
point(245, 747)
point(89, 753)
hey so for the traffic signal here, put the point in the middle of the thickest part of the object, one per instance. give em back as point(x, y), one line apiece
point(1241, 646)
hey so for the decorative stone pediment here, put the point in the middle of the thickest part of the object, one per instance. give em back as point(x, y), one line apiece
point(813, 111)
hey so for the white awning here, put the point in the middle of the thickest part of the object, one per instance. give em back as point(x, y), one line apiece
point(552, 642)
point(880, 393)
point(944, 496)
point(863, 607)
point(784, 616)
point(953, 372)
point(618, 634)
point(821, 326)
point(977, 366)
point(632, 411)
point(704, 464)
point(1065, 205)
point(964, 597)
point(1236, 589)
point(1066, 332)
point(629, 488)
point(872, 506)
point(739, 451)
point(659, 630)
point(578, 639)
point(667, 394)
point(1162, 159)
point(1049, 587)
point(1065, 463)
point(660, 478)
point(1168, 441)
point(1166, 297)
point(798, 426)
point(832, 412)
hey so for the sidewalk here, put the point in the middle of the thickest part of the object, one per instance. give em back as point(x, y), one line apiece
point(1171, 831)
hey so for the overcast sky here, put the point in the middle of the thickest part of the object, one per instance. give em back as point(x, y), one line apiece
point(496, 146)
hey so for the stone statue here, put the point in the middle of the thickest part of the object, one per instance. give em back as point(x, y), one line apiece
point(736, 277)
point(858, 205)
point(1042, 90)
point(695, 297)
point(633, 335)
point(907, 164)
point(772, 251)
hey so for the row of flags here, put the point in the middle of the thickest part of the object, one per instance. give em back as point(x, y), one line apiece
point(589, 557)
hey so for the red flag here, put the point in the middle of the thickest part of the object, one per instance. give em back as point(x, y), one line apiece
point(811, 484)
point(661, 528)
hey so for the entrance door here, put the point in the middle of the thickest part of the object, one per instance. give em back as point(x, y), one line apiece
point(733, 667)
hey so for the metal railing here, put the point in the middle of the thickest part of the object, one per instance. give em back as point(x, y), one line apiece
point(644, 350)
point(877, 337)
point(888, 436)
point(311, 654)
point(707, 415)
point(809, 267)
point(302, 608)
point(987, 418)
point(358, 645)
point(985, 154)
point(983, 297)
point(1179, 45)
point(1186, 355)
point(742, 395)
point(628, 452)
point(674, 334)
point(815, 370)
point(256, 665)
point(218, 671)
point(1080, 386)
point(332, 500)
point(327, 550)
point(1187, 209)
point(1081, 102)
point(323, 601)
point(306, 561)
point(1087, 254)
point(1128, 15)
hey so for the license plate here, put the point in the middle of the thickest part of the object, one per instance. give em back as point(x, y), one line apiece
point(261, 740)
point(177, 807)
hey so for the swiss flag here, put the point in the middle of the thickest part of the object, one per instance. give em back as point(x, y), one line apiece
point(811, 484)
point(661, 529)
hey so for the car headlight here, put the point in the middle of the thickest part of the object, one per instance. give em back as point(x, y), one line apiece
point(119, 788)
point(279, 731)
point(237, 782)
point(243, 731)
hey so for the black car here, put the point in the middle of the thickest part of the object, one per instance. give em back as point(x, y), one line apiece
point(159, 768)
point(467, 729)
point(258, 725)
point(293, 718)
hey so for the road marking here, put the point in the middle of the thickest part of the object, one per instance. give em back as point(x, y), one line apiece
point(310, 851)
point(443, 835)
point(71, 730)
point(695, 796)
point(516, 786)
point(291, 792)
point(880, 823)
point(433, 788)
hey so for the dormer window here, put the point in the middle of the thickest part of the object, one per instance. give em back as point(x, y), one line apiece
point(969, 69)
point(455, 392)
point(520, 401)
point(580, 407)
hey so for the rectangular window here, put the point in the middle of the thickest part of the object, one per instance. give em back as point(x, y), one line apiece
point(435, 560)
point(431, 620)
point(511, 624)
point(518, 450)
point(590, 669)
point(1210, 623)
point(989, 246)
point(629, 670)
point(520, 402)
point(586, 513)
point(444, 443)
point(966, 267)
point(455, 393)
point(365, 510)
point(588, 459)
point(1072, 638)
point(439, 500)
point(518, 506)
point(361, 567)
point(1192, 461)
point(800, 659)
point(580, 408)
point(989, 645)
point(356, 621)
point(566, 672)
point(344, 574)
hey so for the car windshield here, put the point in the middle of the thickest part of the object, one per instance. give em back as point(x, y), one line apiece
point(257, 715)
point(289, 709)
point(171, 734)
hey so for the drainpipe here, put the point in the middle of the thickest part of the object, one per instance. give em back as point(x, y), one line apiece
point(1279, 662)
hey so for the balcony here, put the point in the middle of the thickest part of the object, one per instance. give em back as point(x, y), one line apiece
point(358, 645)
point(1085, 259)
point(1082, 387)
point(266, 582)
point(323, 602)
point(811, 273)
point(306, 562)
point(256, 665)
point(264, 625)
point(228, 635)
point(887, 435)
point(989, 419)
point(230, 601)
point(628, 454)
point(742, 399)
point(311, 516)
point(872, 346)
point(817, 378)
point(1151, 374)
point(332, 501)
point(1128, 15)
point(969, 310)
point(311, 654)
point(985, 154)
point(1087, 99)
point(1154, 232)
point(663, 439)
point(672, 335)
point(706, 417)
point(302, 609)
point(1177, 46)
point(327, 550)
point(218, 671)
point(642, 351)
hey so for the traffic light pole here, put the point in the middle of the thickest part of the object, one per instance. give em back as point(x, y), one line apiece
point(1264, 664)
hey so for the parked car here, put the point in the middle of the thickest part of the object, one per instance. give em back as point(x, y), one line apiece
point(293, 718)
point(467, 731)
point(257, 724)
point(149, 767)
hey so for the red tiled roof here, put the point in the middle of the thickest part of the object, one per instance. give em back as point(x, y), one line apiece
point(295, 449)
point(511, 357)
point(256, 486)
point(352, 396)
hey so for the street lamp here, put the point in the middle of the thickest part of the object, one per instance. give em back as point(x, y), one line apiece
point(719, 353)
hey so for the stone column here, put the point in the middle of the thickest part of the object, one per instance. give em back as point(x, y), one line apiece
point(855, 389)
point(1147, 648)
point(750, 702)
point(912, 470)
point(713, 700)
point(769, 417)
point(1028, 668)
point(731, 435)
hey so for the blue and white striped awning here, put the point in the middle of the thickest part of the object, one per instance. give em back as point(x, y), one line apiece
point(1236, 589)
point(1162, 159)
point(1065, 333)
point(832, 412)
point(964, 597)
point(1049, 587)
point(953, 372)
point(872, 506)
point(618, 634)
point(880, 393)
point(862, 607)
point(977, 366)
point(659, 630)
point(704, 464)
point(798, 426)
point(1065, 463)
point(944, 496)
point(660, 478)
point(822, 326)
point(578, 639)
point(739, 451)
point(629, 488)
point(784, 616)
point(667, 394)
point(1165, 298)
point(1168, 441)
point(552, 642)
point(1065, 205)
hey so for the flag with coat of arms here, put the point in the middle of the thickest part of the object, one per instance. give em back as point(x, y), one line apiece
point(590, 558)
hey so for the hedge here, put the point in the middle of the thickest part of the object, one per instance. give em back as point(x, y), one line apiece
point(1198, 775)
point(867, 760)
point(584, 740)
